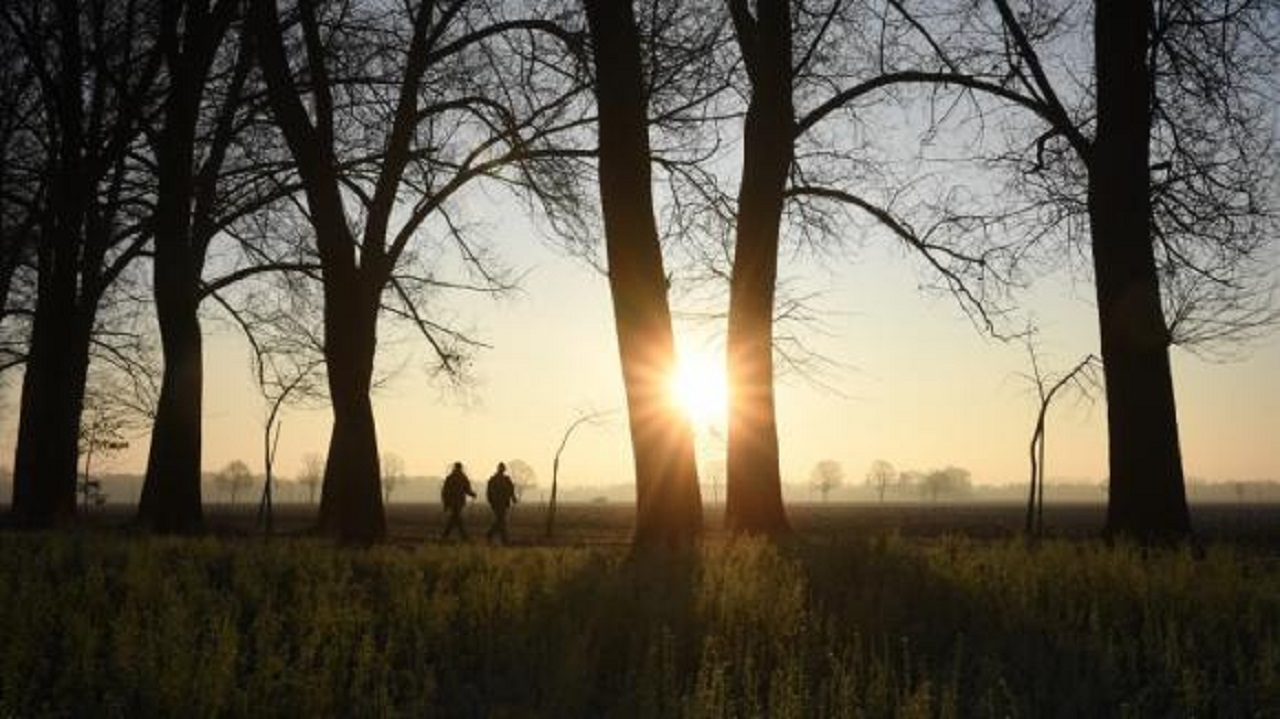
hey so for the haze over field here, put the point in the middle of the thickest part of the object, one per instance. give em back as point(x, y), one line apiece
point(915, 384)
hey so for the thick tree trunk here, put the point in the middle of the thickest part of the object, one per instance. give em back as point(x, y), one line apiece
point(351, 507)
point(44, 478)
point(668, 500)
point(90, 127)
point(171, 494)
point(44, 473)
point(753, 491)
point(1148, 496)
point(171, 501)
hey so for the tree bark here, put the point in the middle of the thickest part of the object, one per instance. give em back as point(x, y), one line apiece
point(753, 490)
point(171, 494)
point(171, 501)
point(44, 477)
point(93, 99)
point(351, 505)
point(1148, 495)
point(668, 500)
point(44, 481)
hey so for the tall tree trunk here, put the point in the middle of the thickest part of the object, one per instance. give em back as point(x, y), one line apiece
point(171, 493)
point(753, 490)
point(92, 110)
point(171, 499)
point(58, 356)
point(191, 33)
point(1148, 496)
point(351, 507)
point(44, 482)
point(668, 500)
point(44, 479)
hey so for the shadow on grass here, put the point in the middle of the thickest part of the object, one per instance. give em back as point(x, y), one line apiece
point(1069, 629)
point(102, 625)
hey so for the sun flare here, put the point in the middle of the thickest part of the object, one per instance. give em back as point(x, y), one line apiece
point(699, 389)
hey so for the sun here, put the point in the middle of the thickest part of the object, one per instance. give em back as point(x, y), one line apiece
point(699, 389)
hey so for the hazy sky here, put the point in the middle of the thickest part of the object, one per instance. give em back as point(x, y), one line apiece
point(915, 384)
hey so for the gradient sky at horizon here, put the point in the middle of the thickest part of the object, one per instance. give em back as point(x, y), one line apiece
point(912, 382)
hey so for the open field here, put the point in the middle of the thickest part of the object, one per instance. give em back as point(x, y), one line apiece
point(610, 524)
point(899, 611)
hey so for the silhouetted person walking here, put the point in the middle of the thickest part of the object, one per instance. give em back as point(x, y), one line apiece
point(454, 495)
point(501, 493)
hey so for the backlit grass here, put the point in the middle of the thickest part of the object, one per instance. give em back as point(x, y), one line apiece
point(99, 624)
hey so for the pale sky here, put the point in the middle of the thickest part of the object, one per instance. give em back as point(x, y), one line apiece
point(917, 386)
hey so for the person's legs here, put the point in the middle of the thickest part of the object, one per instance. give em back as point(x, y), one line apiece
point(454, 522)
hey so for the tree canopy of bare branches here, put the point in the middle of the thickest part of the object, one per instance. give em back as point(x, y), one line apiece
point(95, 65)
point(381, 105)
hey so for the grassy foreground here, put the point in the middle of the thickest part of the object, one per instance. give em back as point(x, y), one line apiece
point(108, 625)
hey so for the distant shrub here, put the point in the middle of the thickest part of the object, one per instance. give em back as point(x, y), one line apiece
point(105, 625)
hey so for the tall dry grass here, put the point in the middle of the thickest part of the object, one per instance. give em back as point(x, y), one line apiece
point(102, 625)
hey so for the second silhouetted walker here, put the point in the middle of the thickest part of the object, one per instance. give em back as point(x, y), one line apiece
point(501, 493)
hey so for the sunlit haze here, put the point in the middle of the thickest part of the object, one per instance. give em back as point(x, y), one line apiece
point(905, 377)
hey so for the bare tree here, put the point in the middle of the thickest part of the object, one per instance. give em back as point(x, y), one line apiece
point(947, 481)
point(122, 383)
point(826, 476)
point(522, 475)
point(113, 415)
point(668, 501)
point(392, 474)
point(880, 476)
point(96, 63)
point(1148, 495)
point(287, 363)
point(311, 475)
point(1164, 155)
point(202, 110)
point(22, 183)
point(234, 479)
point(1082, 378)
point(808, 64)
point(754, 490)
point(584, 418)
point(441, 115)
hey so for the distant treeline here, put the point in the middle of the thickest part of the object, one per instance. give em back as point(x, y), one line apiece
point(1251, 491)
point(125, 489)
